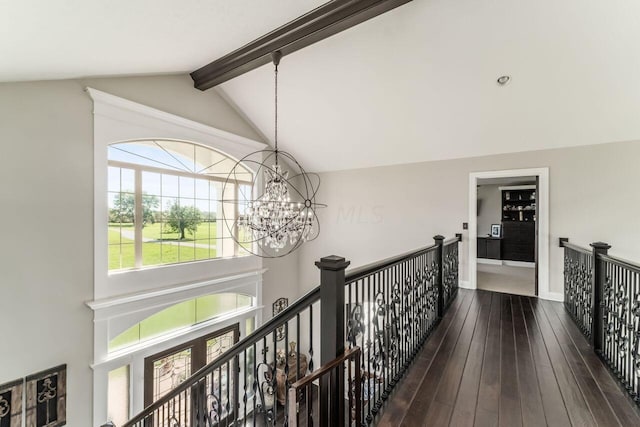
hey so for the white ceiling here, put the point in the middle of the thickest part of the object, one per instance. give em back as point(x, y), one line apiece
point(45, 39)
point(415, 84)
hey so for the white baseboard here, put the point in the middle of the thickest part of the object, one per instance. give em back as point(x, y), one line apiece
point(464, 284)
point(507, 263)
point(552, 296)
point(489, 261)
point(519, 264)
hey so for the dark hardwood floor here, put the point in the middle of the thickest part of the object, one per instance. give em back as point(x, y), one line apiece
point(507, 360)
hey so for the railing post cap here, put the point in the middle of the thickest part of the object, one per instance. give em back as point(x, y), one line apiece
point(438, 237)
point(600, 245)
point(332, 262)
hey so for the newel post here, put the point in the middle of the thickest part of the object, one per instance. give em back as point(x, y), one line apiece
point(332, 326)
point(440, 243)
point(332, 306)
point(598, 279)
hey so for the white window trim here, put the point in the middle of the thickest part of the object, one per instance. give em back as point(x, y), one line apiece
point(135, 294)
point(117, 120)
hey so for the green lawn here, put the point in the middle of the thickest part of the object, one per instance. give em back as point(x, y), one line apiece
point(159, 231)
point(180, 315)
point(122, 250)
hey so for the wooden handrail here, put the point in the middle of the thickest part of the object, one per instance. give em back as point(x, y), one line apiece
point(629, 265)
point(350, 354)
point(366, 270)
point(564, 243)
point(452, 240)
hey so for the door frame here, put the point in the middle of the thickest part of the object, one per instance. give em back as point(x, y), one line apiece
point(542, 204)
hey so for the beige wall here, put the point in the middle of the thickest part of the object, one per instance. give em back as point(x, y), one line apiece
point(46, 259)
point(47, 200)
point(378, 212)
point(490, 208)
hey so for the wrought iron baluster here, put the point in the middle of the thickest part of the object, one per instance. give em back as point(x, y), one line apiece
point(348, 310)
point(218, 399)
point(308, 391)
point(387, 330)
point(628, 330)
point(636, 336)
point(378, 352)
point(369, 347)
point(274, 375)
point(180, 420)
point(298, 346)
point(310, 366)
point(286, 374)
point(232, 396)
point(255, 384)
point(245, 397)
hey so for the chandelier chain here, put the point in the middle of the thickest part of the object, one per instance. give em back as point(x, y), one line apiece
point(276, 112)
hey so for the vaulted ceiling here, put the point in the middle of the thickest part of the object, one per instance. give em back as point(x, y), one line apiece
point(415, 84)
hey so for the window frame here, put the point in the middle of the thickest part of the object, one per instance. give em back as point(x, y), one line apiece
point(198, 348)
point(138, 171)
point(125, 295)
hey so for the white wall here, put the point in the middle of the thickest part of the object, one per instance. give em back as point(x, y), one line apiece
point(489, 208)
point(375, 213)
point(47, 214)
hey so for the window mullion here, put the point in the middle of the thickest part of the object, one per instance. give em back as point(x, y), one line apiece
point(138, 218)
point(234, 230)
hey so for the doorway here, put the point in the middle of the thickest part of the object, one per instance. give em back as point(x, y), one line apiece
point(507, 235)
point(508, 231)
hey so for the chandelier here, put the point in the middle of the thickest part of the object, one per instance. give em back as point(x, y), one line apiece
point(277, 220)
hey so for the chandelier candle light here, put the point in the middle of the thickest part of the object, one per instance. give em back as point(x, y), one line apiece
point(273, 225)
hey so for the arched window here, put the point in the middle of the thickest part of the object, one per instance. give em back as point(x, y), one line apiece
point(181, 315)
point(164, 201)
point(169, 367)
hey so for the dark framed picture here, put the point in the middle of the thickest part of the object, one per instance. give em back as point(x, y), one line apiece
point(496, 230)
point(47, 398)
point(11, 403)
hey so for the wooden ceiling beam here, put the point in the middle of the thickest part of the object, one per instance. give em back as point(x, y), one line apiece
point(318, 24)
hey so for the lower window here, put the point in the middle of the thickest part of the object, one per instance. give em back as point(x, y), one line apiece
point(166, 370)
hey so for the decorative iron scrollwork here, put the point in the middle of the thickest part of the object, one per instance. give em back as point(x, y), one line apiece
point(355, 324)
point(450, 272)
point(578, 288)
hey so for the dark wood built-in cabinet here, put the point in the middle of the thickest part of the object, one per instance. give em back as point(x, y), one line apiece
point(518, 240)
point(518, 224)
point(519, 205)
point(489, 247)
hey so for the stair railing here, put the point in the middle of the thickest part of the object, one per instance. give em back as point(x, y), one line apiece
point(391, 308)
point(602, 295)
point(304, 388)
point(240, 383)
point(388, 309)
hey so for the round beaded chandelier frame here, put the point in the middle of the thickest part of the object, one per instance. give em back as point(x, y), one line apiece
point(273, 218)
